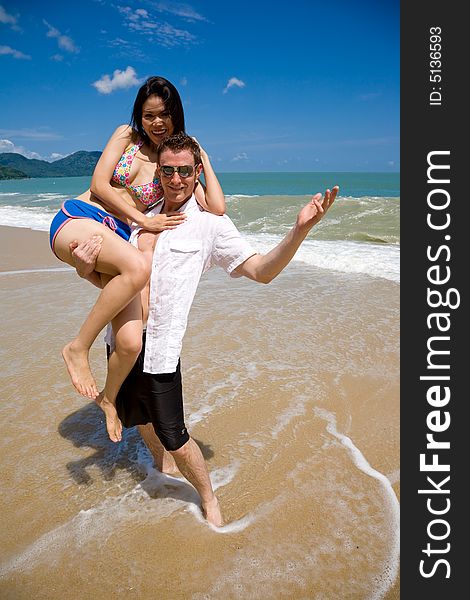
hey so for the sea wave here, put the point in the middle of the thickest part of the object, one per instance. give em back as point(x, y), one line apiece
point(369, 254)
point(344, 256)
point(29, 217)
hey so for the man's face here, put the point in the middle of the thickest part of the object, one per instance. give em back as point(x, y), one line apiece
point(176, 188)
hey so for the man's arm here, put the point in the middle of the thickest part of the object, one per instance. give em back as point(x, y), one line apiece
point(85, 256)
point(265, 267)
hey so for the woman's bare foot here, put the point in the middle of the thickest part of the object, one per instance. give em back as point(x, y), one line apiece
point(113, 423)
point(211, 511)
point(76, 361)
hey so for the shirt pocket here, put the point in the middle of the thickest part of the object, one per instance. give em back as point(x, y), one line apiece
point(186, 257)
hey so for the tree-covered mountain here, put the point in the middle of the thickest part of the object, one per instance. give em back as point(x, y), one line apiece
point(76, 165)
point(9, 173)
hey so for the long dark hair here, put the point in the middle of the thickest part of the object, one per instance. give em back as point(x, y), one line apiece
point(165, 90)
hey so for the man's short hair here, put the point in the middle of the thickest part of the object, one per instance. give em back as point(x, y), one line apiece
point(179, 142)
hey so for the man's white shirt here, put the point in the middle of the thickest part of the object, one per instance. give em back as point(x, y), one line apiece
point(180, 258)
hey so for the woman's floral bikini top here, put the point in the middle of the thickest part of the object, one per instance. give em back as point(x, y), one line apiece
point(149, 193)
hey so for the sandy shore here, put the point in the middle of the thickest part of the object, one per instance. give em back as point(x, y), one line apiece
point(290, 389)
point(25, 249)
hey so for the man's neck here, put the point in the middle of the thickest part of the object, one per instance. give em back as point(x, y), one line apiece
point(168, 205)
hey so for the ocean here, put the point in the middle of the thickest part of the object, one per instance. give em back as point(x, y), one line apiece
point(360, 235)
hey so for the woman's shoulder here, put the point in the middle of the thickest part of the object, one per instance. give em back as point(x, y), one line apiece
point(124, 137)
point(124, 131)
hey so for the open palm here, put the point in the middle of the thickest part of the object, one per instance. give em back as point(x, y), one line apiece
point(316, 209)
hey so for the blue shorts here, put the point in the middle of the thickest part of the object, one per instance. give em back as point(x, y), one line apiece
point(77, 209)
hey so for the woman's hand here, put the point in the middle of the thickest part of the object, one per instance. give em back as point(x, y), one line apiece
point(204, 155)
point(163, 221)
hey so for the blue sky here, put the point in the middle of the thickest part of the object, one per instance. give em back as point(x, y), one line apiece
point(266, 86)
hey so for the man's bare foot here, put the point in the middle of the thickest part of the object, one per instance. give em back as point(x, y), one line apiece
point(113, 423)
point(76, 361)
point(211, 511)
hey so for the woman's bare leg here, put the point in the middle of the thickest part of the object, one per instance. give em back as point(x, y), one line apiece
point(146, 244)
point(129, 271)
point(127, 329)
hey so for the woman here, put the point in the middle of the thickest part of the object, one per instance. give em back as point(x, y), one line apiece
point(123, 186)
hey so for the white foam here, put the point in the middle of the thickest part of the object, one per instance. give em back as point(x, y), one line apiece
point(394, 477)
point(285, 417)
point(232, 384)
point(47, 197)
point(27, 217)
point(390, 569)
point(233, 527)
point(345, 256)
point(137, 503)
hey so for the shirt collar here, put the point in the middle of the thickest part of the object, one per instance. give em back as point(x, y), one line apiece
point(189, 206)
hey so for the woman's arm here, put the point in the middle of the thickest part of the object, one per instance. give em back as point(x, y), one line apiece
point(101, 185)
point(210, 196)
point(101, 180)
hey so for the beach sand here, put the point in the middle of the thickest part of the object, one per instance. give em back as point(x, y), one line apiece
point(291, 390)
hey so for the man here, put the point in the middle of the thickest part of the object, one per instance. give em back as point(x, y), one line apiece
point(152, 393)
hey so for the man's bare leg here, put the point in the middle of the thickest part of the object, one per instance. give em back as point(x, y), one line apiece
point(192, 465)
point(164, 462)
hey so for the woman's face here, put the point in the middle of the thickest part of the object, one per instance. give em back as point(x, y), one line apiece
point(156, 120)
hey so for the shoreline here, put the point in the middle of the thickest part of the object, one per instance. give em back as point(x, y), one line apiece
point(23, 248)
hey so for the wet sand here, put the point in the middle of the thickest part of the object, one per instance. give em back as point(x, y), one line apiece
point(291, 390)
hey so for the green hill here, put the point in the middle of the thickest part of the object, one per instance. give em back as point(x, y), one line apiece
point(9, 173)
point(77, 164)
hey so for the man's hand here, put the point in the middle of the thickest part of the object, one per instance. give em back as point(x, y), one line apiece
point(316, 209)
point(85, 255)
point(265, 267)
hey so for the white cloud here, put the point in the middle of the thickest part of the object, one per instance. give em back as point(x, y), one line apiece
point(6, 146)
point(126, 49)
point(164, 34)
point(57, 57)
point(240, 156)
point(121, 80)
point(233, 81)
point(64, 41)
point(15, 53)
point(179, 9)
point(9, 146)
point(8, 19)
point(184, 81)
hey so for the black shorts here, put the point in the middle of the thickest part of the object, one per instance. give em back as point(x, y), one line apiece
point(157, 399)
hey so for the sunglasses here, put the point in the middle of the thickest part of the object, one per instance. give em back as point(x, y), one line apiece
point(184, 171)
